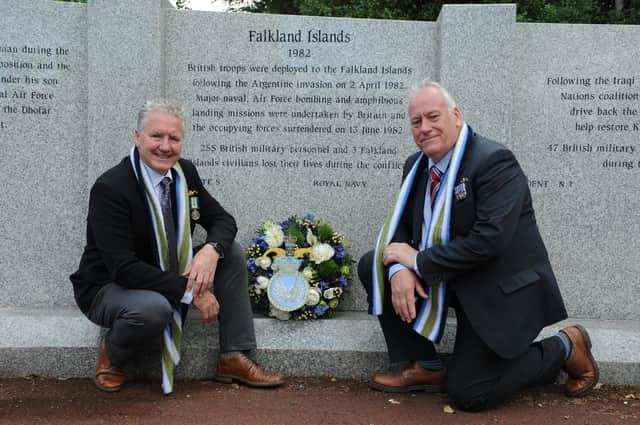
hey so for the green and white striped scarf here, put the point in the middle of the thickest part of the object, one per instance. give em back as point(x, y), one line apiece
point(432, 313)
point(172, 337)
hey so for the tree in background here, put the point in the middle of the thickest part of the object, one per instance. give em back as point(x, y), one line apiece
point(562, 11)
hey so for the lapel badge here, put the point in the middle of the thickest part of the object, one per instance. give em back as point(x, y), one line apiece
point(460, 190)
point(194, 204)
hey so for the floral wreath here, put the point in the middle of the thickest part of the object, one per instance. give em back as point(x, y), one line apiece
point(324, 264)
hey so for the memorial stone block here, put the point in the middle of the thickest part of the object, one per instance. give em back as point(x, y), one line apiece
point(576, 127)
point(299, 114)
point(293, 115)
point(43, 129)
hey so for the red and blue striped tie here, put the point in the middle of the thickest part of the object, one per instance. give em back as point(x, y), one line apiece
point(436, 174)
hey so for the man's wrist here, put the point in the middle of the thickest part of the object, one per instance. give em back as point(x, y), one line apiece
point(395, 268)
point(217, 247)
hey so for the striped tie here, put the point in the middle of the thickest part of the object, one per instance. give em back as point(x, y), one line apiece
point(436, 174)
point(169, 224)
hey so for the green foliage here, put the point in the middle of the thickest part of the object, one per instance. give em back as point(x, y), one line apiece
point(181, 4)
point(561, 11)
point(328, 270)
point(325, 232)
point(292, 230)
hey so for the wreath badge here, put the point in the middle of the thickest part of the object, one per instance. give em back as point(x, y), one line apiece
point(298, 269)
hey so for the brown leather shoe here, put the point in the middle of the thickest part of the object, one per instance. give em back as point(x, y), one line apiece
point(412, 378)
point(581, 367)
point(241, 368)
point(108, 378)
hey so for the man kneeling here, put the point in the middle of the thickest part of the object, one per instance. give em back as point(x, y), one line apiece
point(139, 273)
point(463, 234)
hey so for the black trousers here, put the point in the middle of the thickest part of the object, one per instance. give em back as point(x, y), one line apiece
point(403, 343)
point(477, 378)
point(135, 317)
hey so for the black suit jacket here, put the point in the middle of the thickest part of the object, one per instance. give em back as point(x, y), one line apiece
point(495, 260)
point(120, 242)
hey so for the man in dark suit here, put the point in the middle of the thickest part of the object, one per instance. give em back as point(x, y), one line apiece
point(464, 235)
point(138, 271)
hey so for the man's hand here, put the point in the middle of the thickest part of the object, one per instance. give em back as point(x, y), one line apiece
point(208, 305)
point(401, 253)
point(202, 270)
point(404, 286)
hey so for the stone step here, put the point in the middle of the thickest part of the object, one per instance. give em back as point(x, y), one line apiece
point(62, 343)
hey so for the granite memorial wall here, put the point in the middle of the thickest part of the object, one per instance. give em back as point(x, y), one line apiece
point(43, 129)
point(293, 115)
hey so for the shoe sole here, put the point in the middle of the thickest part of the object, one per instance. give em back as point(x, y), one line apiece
point(228, 379)
point(425, 388)
point(107, 389)
point(587, 341)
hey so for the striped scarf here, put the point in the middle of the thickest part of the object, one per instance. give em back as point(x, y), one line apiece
point(432, 312)
point(172, 337)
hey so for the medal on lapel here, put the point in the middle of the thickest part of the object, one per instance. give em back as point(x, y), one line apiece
point(460, 190)
point(194, 204)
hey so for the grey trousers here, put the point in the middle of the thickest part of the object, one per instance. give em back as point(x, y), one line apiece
point(135, 317)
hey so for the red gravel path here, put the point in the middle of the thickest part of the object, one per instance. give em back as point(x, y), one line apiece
point(300, 402)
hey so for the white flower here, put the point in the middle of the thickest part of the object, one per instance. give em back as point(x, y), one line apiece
point(311, 238)
point(274, 236)
point(313, 296)
point(329, 293)
point(321, 252)
point(278, 314)
point(307, 273)
point(262, 282)
point(257, 290)
point(263, 262)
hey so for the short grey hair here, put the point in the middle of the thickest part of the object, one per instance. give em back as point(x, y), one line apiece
point(416, 88)
point(159, 105)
